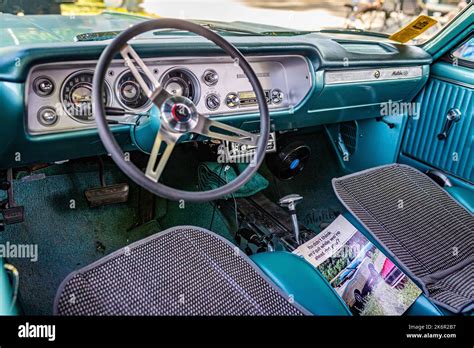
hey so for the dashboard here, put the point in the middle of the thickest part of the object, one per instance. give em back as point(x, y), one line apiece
point(309, 80)
point(59, 94)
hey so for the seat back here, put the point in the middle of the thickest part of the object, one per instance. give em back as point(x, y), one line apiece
point(182, 271)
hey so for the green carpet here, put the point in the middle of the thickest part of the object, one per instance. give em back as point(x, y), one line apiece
point(70, 235)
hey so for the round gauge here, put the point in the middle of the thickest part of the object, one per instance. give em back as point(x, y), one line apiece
point(76, 95)
point(181, 82)
point(131, 95)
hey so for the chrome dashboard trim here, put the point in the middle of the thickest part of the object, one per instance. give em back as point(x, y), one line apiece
point(371, 75)
point(291, 73)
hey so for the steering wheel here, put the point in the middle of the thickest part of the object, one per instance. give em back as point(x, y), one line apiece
point(177, 115)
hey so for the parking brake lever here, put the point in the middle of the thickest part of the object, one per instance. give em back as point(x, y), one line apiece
point(290, 202)
point(453, 116)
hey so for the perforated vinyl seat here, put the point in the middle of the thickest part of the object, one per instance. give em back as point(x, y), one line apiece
point(181, 271)
point(191, 271)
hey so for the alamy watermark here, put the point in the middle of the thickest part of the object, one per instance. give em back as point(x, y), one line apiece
point(395, 108)
point(22, 251)
point(236, 155)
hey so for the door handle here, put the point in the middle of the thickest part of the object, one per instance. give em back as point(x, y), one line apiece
point(453, 116)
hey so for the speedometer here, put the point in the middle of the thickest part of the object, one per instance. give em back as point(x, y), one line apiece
point(131, 95)
point(181, 82)
point(76, 96)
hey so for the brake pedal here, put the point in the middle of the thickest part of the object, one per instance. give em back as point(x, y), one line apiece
point(106, 194)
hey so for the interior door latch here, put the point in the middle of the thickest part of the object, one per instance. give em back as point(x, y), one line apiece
point(453, 116)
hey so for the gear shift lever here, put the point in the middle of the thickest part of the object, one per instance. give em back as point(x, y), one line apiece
point(290, 202)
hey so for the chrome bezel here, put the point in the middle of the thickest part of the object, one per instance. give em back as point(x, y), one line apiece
point(209, 83)
point(47, 124)
point(144, 108)
point(60, 71)
point(35, 86)
point(191, 75)
point(61, 94)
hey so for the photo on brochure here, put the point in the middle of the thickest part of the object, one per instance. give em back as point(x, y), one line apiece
point(366, 280)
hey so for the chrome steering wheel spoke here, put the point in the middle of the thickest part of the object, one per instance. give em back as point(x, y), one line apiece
point(218, 130)
point(178, 115)
point(157, 94)
point(156, 164)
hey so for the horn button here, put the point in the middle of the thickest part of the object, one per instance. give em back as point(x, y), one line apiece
point(179, 114)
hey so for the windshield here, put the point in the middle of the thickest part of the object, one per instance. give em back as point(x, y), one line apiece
point(371, 16)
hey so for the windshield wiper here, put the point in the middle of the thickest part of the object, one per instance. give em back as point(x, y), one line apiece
point(97, 36)
point(218, 27)
point(230, 28)
point(109, 35)
point(286, 33)
point(354, 31)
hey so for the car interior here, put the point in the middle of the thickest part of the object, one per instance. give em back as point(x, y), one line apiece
point(172, 167)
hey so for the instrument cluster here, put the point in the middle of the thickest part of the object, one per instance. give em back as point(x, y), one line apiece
point(59, 95)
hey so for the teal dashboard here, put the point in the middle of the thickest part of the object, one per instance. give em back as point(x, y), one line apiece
point(309, 79)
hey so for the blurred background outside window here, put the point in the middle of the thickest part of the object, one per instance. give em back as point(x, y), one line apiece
point(382, 16)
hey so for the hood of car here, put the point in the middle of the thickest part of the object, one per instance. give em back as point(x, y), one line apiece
point(41, 29)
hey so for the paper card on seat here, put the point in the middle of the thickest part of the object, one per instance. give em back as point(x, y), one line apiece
point(366, 280)
point(328, 242)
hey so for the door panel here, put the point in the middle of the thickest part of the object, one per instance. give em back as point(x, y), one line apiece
point(444, 91)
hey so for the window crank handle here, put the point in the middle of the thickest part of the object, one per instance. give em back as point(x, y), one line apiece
point(453, 116)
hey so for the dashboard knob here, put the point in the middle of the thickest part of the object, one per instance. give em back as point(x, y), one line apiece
point(47, 116)
point(43, 86)
point(277, 96)
point(232, 100)
point(210, 77)
point(212, 101)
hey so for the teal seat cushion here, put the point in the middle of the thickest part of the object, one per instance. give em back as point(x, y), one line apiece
point(464, 195)
point(423, 307)
point(302, 282)
point(6, 293)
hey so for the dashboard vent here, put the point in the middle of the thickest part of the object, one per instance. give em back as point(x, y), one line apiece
point(366, 48)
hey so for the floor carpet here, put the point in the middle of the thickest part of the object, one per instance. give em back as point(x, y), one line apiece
point(70, 235)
